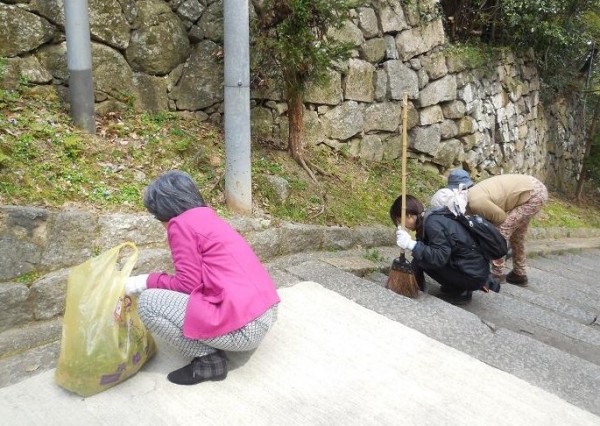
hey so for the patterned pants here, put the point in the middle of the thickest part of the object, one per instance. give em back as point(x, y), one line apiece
point(514, 228)
point(162, 312)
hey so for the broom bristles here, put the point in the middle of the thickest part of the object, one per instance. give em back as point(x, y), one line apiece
point(401, 279)
point(403, 283)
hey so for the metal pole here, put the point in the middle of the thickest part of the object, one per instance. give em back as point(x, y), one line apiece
point(238, 184)
point(585, 93)
point(79, 63)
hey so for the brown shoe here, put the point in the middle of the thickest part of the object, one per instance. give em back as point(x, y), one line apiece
point(520, 280)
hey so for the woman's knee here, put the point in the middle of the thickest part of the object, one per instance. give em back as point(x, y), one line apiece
point(144, 307)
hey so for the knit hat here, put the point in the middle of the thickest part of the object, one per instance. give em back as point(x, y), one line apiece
point(458, 176)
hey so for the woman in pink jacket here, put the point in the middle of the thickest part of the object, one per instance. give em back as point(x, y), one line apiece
point(220, 298)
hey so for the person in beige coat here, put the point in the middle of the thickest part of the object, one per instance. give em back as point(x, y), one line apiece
point(509, 202)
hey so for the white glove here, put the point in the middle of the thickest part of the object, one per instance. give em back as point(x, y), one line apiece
point(403, 239)
point(135, 284)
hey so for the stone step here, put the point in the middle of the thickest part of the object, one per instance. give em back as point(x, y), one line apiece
point(546, 334)
point(575, 279)
point(547, 341)
point(561, 288)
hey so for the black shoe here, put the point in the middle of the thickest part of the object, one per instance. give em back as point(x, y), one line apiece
point(492, 284)
point(451, 290)
point(457, 299)
point(520, 280)
point(208, 367)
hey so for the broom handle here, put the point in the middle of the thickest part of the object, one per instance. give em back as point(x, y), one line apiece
point(404, 143)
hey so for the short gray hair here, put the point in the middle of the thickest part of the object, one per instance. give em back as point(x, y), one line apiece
point(171, 194)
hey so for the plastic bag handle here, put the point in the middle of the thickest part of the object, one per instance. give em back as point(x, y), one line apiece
point(130, 263)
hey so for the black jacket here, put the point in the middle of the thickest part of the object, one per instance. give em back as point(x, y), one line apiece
point(446, 246)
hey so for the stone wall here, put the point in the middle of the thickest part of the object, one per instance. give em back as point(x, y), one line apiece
point(167, 56)
point(39, 246)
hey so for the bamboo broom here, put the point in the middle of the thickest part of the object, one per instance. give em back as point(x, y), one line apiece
point(402, 279)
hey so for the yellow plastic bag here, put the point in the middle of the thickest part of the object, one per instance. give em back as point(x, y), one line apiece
point(103, 339)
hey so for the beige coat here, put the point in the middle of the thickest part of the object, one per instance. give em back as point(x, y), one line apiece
point(494, 197)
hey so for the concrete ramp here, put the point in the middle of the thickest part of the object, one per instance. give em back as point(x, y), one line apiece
point(327, 361)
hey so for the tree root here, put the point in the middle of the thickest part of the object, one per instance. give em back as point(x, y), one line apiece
point(307, 169)
point(313, 166)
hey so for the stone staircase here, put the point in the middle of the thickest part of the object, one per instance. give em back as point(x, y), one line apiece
point(547, 334)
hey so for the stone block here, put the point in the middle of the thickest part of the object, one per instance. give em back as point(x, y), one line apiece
point(438, 91)
point(49, 295)
point(358, 83)
point(16, 305)
point(23, 238)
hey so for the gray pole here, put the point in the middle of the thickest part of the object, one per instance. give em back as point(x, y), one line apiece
point(79, 63)
point(238, 184)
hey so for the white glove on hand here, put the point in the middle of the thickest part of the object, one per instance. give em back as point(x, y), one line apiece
point(403, 239)
point(134, 285)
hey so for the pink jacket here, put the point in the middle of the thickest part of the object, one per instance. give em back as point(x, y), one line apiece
point(227, 284)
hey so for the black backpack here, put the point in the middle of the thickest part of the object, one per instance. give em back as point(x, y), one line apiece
point(490, 241)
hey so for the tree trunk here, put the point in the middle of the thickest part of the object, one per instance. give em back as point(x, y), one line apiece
point(296, 131)
point(588, 148)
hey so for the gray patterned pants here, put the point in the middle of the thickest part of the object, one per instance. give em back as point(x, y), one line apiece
point(162, 312)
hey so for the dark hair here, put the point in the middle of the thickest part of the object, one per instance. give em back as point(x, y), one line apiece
point(171, 194)
point(413, 206)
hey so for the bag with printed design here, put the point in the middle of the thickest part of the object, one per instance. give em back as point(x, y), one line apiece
point(103, 340)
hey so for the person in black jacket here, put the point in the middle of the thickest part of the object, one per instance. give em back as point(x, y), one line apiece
point(444, 250)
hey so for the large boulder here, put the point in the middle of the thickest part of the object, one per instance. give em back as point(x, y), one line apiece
point(54, 58)
point(328, 93)
point(28, 67)
point(384, 116)
point(344, 121)
point(200, 85)
point(401, 79)
point(23, 237)
point(419, 40)
point(27, 31)
point(112, 75)
point(108, 22)
point(211, 21)
point(438, 91)
point(107, 19)
point(392, 18)
point(160, 42)
point(151, 92)
point(359, 81)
